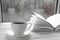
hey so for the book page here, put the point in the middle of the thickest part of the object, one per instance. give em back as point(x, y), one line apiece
point(54, 20)
point(40, 16)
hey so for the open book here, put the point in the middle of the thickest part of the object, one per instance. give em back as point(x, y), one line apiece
point(53, 21)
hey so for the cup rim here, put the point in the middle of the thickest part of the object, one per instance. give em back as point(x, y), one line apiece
point(18, 22)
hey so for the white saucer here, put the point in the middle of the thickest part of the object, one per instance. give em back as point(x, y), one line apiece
point(21, 36)
point(25, 37)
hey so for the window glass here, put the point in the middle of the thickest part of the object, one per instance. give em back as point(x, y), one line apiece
point(21, 9)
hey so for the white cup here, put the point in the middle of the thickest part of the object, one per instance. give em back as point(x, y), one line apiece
point(19, 28)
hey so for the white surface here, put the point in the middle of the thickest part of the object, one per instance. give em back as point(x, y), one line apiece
point(33, 35)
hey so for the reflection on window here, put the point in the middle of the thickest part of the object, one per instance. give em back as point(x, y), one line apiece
point(14, 9)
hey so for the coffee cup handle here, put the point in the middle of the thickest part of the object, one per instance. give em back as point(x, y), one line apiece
point(28, 28)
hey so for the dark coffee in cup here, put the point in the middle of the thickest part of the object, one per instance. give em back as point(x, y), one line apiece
point(19, 22)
